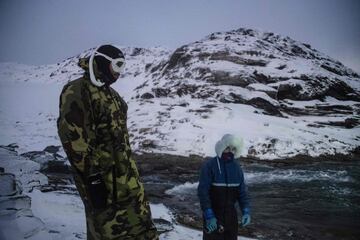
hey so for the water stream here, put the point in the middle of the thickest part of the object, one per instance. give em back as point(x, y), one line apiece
point(312, 201)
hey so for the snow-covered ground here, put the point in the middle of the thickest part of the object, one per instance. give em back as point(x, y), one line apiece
point(65, 214)
point(56, 215)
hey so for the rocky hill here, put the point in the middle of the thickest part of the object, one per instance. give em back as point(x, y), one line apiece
point(276, 75)
point(264, 70)
point(282, 96)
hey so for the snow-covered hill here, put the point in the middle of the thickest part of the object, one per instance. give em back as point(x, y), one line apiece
point(282, 96)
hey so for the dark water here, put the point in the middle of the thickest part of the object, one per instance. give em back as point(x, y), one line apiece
point(313, 201)
point(319, 201)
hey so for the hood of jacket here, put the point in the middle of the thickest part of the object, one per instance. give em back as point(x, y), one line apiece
point(84, 64)
point(229, 140)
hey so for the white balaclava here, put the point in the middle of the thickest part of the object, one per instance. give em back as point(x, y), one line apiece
point(104, 56)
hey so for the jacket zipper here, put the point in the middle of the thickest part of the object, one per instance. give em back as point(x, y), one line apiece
point(226, 193)
point(114, 166)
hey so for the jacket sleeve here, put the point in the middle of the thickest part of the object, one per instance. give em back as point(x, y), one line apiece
point(204, 186)
point(76, 127)
point(243, 197)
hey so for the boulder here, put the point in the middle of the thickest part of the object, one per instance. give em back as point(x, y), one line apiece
point(163, 225)
point(16, 218)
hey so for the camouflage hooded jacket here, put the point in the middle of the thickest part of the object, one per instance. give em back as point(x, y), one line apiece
point(92, 129)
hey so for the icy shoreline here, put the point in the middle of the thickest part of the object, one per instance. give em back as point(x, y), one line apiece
point(59, 215)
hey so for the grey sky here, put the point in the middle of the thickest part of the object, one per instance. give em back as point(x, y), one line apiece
point(48, 31)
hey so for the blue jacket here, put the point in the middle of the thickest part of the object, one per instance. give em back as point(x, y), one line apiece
point(221, 185)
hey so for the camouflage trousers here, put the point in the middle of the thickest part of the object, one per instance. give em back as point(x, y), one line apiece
point(115, 223)
point(119, 221)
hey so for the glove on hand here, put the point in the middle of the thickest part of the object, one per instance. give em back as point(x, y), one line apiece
point(210, 220)
point(245, 220)
point(211, 225)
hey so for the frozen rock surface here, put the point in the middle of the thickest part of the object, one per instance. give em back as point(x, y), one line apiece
point(17, 220)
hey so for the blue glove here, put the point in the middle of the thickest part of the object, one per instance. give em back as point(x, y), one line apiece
point(210, 220)
point(245, 220)
point(211, 225)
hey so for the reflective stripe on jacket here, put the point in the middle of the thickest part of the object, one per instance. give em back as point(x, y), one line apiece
point(222, 183)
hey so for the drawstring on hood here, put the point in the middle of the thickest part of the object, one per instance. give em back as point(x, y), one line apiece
point(218, 163)
point(227, 157)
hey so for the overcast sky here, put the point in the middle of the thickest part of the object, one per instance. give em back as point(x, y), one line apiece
point(48, 31)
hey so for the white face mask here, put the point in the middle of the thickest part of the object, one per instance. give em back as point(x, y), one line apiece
point(117, 65)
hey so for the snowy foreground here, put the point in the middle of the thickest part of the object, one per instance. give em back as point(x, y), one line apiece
point(53, 215)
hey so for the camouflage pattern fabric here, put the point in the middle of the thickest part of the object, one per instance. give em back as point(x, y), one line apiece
point(92, 129)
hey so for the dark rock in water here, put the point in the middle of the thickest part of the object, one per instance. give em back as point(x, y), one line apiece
point(178, 169)
point(163, 225)
point(156, 189)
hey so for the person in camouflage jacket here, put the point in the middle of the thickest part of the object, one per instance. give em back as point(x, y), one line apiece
point(92, 129)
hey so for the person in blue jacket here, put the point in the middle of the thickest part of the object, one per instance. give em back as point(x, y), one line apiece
point(221, 186)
